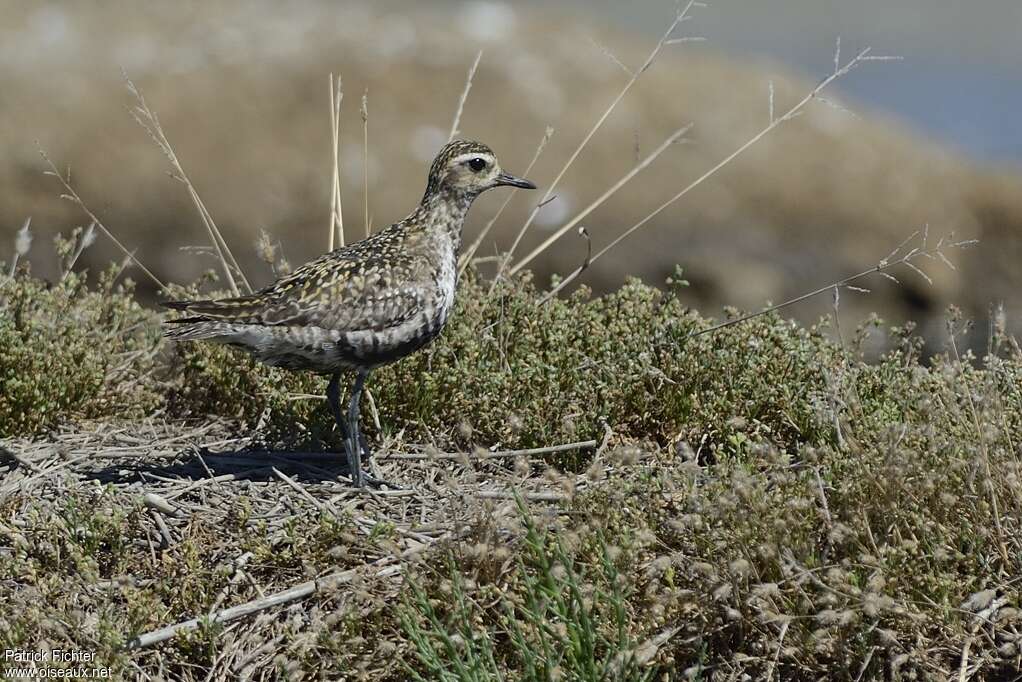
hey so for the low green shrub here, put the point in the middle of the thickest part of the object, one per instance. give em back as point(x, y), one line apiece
point(68, 350)
point(510, 372)
point(552, 617)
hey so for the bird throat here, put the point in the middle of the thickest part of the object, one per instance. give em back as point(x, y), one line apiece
point(444, 211)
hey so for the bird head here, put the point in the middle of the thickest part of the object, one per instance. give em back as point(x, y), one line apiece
point(469, 168)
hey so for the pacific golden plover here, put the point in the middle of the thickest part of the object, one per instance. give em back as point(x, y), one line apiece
point(363, 305)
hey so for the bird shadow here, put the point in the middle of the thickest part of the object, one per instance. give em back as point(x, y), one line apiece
point(250, 463)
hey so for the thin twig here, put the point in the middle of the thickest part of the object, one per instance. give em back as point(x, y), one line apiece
point(512, 494)
point(561, 231)
point(72, 195)
point(879, 268)
point(294, 485)
point(365, 157)
point(610, 55)
point(865, 663)
point(777, 652)
point(606, 114)
point(774, 123)
point(500, 454)
point(585, 263)
point(464, 96)
point(582, 232)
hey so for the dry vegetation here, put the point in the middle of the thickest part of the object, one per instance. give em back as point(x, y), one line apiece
point(753, 502)
point(589, 487)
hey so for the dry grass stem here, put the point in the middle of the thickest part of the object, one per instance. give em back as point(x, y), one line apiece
point(71, 195)
point(794, 111)
point(611, 56)
point(147, 118)
point(336, 211)
point(498, 454)
point(464, 96)
point(471, 251)
point(581, 215)
point(880, 268)
point(679, 18)
point(365, 159)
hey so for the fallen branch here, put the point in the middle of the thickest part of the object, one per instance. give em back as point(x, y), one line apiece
point(293, 594)
point(500, 454)
point(511, 495)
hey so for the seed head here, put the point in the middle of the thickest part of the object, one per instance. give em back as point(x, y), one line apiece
point(23, 242)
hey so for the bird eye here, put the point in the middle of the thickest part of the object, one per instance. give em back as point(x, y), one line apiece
point(477, 164)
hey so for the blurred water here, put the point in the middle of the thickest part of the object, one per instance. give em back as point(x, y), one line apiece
point(960, 81)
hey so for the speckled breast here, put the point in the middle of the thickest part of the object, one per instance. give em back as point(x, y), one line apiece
point(372, 348)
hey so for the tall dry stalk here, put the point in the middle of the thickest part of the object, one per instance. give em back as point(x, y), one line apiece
point(365, 158)
point(464, 96)
point(147, 118)
point(580, 216)
point(336, 211)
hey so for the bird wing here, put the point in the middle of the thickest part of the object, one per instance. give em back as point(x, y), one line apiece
point(345, 290)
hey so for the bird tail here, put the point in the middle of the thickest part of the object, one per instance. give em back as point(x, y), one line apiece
point(215, 320)
point(198, 329)
point(238, 309)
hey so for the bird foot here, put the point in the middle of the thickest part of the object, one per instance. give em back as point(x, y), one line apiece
point(378, 483)
point(368, 479)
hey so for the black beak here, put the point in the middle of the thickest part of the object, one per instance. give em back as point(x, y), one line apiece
point(512, 181)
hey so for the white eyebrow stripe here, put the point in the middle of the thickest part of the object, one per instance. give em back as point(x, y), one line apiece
point(463, 158)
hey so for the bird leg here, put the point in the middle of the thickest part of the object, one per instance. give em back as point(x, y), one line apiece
point(333, 396)
point(354, 446)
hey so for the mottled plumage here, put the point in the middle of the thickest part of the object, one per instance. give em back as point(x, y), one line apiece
point(363, 305)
